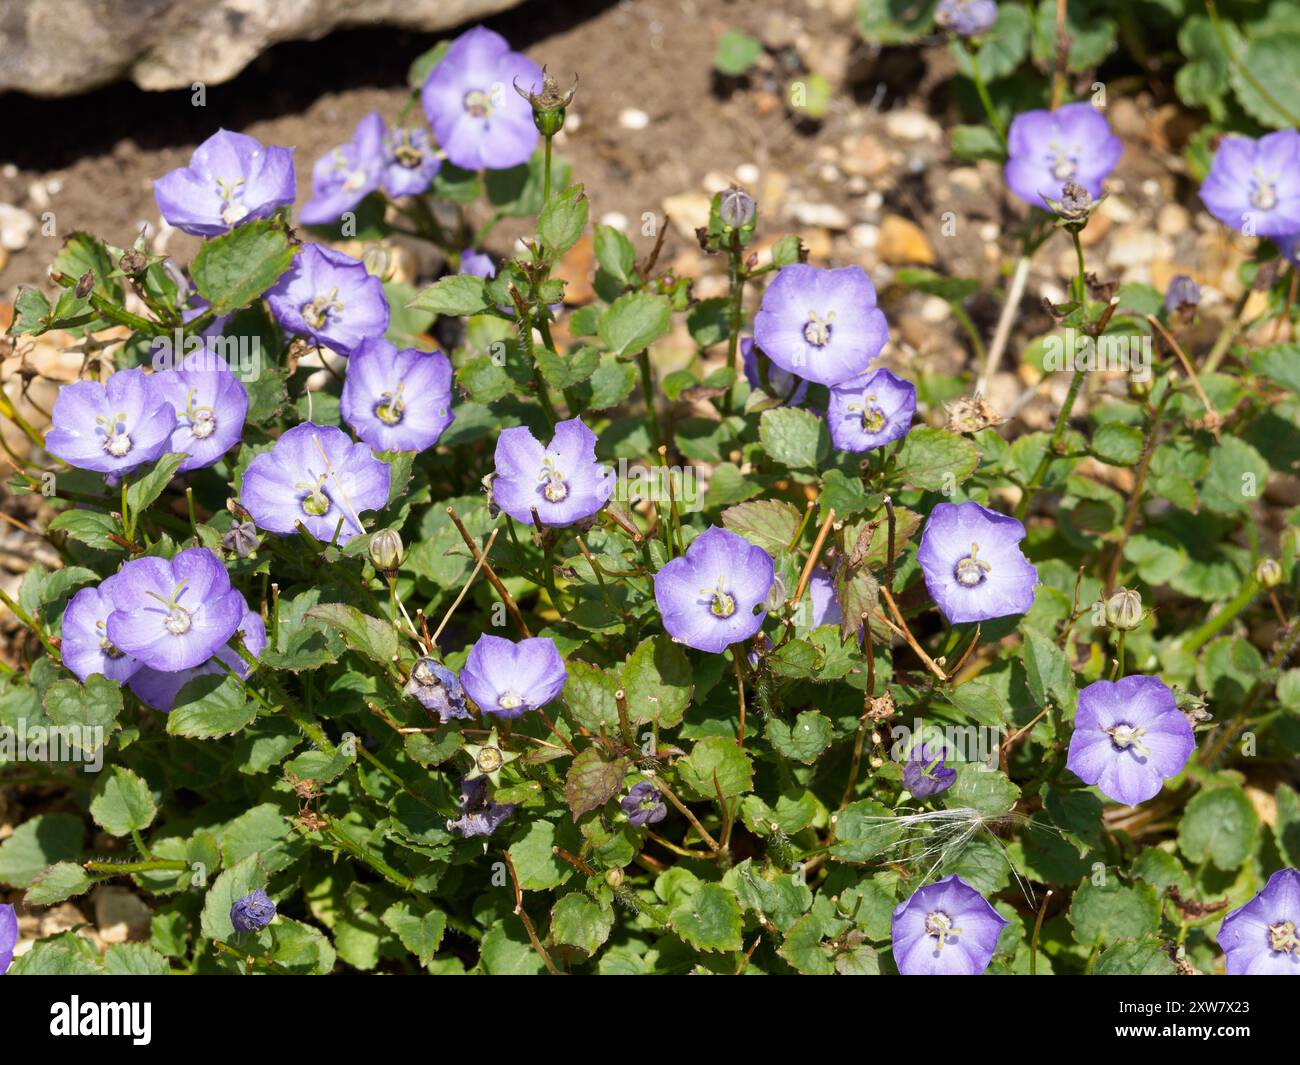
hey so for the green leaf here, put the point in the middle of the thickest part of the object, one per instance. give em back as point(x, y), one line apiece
point(1280, 363)
point(140, 493)
point(1002, 50)
point(1090, 34)
point(1236, 477)
point(1113, 912)
point(367, 635)
point(66, 954)
point(37, 844)
point(977, 142)
point(863, 830)
point(767, 523)
point(634, 321)
point(805, 949)
point(709, 919)
point(1047, 671)
point(453, 296)
point(88, 711)
point(1219, 824)
point(1118, 445)
point(210, 706)
point(577, 921)
point(795, 437)
point(805, 739)
point(592, 781)
point(589, 697)
point(987, 790)
point(419, 927)
point(658, 681)
point(123, 803)
point(951, 289)
point(89, 527)
point(234, 269)
point(562, 221)
point(736, 53)
point(936, 460)
point(134, 959)
point(1271, 60)
point(535, 862)
point(61, 881)
point(1138, 957)
point(717, 755)
point(616, 256)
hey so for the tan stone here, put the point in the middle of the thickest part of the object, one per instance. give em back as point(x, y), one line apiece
point(903, 241)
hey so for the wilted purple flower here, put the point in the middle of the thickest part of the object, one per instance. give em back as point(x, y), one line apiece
point(410, 161)
point(231, 179)
point(644, 805)
point(1254, 185)
point(241, 538)
point(331, 298)
point(159, 690)
point(253, 912)
point(470, 101)
point(397, 400)
point(563, 481)
point(869, 412)
point(945, 929)
point(967, 18)
point(507, 679)
point(1182, 292)
point(437, 689)
point(85, 644)
point(8, 936)
point(346, 175)
point(785, 386)
point(822, 600)
point(1129, 738)
point(711, 596)
point(822, 325)
point(111, 428)
point(973, 565)
point(210, 404)
point(1261, 938)
point(318, 476)
point(175, 614)
point(1047, 149)
point(479, 815)
point(924, 772)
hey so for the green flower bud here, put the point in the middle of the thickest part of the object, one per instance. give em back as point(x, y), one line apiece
point(386, 550)
point(1124, 610)
point(614, 877)
point(1268, 572)
point(549, 104)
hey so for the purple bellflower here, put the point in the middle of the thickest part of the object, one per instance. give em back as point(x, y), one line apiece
point(973, 565)
point(210, 404)
point(437, 689)
point(1254, 185)
point(1261, 938)
point(711, 596)
point(924, 772)
point(644, 805)
point(871, 411)
point(562, 481)
point(111, 428)
point(85, 643)
point(1129, 738)
point(410, 161)
point(231, 179)
point(1182, 292)
point(1048, 149)
point(253, 912)
point(173, 615)
point(508, 679)
point(317, 475)
point(822, 325)
point(824, 604)
point(470, 100)
point(477, 264)
point(945, 929)
point(787, 387)
point(8, 936)
point(159, 690)
point(479, 815)
point(346, 175)
point(397, 400)
point(967, 18)
point(330, 298)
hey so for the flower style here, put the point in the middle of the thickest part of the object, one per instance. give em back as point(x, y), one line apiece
point(644, 805)
point(869, 412)
point(785, 386)
point(231, 179)
point(85, 644)
point(437, 689)
point(1129, 738)
point(1261, 938)
point(397, 400)
point(945, 929)
point(158, 690)
point(1254, 185)
point(508, 679)
point(346, 175)
point(710, 596)
point(563, 481)
point(331, 298)
point(822, 325)
point(470, 101)
point(315, 475)
point(8, 936)
point(111, 428)
point(1048, 149)
point(967, 18)
point(410, 161)
point(924, 772)
point(479, 815)
point(973, 565)
point(253, 912)
point(176, 614)
point(210, 404)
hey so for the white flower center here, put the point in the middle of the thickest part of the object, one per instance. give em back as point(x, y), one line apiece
point(1063, 167)
point(316, 313)
point(1282, 938)
point(557, 489)
point(722, 604)
point(478, 103)
point(817, 330)
point(1123, 736)
point(939, 926)
point(117, 442)
point(1263, 193)
point(390, 407)
point(231, 191)
point(316, 502)
point(510, 699)
point(970, 569)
